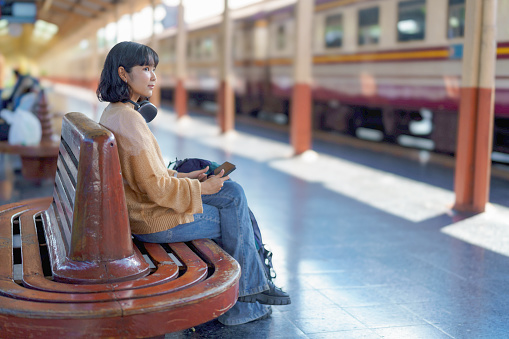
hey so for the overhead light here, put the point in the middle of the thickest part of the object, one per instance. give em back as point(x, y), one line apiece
point(44, 30)
point(84, 44)
point(3, 27)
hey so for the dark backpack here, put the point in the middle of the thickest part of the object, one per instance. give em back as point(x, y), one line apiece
point(192, 164)
point(4, 130)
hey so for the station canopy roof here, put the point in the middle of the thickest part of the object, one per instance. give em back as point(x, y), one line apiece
point(54, 21)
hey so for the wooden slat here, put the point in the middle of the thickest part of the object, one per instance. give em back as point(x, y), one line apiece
point(53, 232)
point(70, 140)
point(163, 307)
point(6, 214)
point(32, 263)
point(67, 162)
point(165, 271)
point(68, 174)
point(15, 291)
point(67, 206)
point(6, 243)
point(61, 220)
point(196, 272)
point(225, 276)
point(54, 307)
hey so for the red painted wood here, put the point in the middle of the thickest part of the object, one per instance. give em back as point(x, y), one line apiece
point(473, 153)
point(170, 298)
point(226, 107)
point(483, 148)
point(180, 99)
point(48, 149)
point(37, 162)
point(183, 302)
point(464, 171)
point(33, 276)
point(100, 248)
point(300, 120)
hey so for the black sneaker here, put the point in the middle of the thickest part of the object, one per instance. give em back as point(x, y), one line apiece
point(273, 296)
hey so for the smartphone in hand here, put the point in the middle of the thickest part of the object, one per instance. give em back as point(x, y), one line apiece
point(227, 166)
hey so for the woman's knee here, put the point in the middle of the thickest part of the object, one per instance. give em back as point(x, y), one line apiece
point(233, 188)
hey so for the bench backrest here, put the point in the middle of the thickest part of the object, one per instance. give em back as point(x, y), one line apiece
point(87, 226)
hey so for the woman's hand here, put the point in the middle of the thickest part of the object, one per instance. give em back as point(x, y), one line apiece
point(199, 174)
point(213, 184)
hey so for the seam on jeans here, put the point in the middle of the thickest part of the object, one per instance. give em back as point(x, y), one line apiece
point(245, 320)
point(255, 290)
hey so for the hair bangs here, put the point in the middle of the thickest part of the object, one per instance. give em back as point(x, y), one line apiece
point(147, 56)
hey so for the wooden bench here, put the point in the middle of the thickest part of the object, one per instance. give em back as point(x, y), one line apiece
point(70, 268)
point(38, 162)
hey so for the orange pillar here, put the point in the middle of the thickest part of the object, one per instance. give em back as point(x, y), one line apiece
point(300, 119)
point(180, 99)
point(476, 115)
point(226, 102)
point(180, 95)
point(225, 93)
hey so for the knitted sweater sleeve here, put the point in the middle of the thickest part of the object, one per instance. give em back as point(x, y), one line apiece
point(145, 173)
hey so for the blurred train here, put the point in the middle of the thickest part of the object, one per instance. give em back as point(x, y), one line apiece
point(384, 70)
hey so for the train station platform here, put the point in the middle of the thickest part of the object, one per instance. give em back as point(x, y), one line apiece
point(365, 242)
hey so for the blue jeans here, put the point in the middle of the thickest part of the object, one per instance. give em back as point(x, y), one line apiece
point(225, 219)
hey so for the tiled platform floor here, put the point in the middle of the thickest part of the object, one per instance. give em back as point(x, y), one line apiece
point(366, 243)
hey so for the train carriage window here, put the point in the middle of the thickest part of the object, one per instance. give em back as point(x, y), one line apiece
point(208, 47)
point(281, 37)
point(334, 31)
point(171, 50)
point(101, 38)
point(369, 27)
point(411, 20)
point(197, 48)
point(456, 24)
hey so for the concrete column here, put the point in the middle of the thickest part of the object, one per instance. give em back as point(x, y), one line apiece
point(95, 67)
point(300, 119)
point(180, 96)
point(225, 95)
point(476, 115)
point(131, 17)
point(94, 71)
point(154, 43)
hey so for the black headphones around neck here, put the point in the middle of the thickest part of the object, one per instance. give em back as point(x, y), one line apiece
point(147, 109)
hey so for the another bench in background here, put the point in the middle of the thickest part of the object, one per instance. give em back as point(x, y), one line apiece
point(38, 162)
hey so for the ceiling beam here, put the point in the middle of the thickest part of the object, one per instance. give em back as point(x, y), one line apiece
point(77, 5)
point(46, 6)
point(104, 4)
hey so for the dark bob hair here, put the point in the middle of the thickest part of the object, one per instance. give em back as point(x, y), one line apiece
point(126, 54)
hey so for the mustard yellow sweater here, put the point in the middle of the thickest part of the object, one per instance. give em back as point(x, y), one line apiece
point(156, 200)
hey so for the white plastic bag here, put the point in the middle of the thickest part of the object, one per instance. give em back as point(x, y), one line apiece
point(25, 127)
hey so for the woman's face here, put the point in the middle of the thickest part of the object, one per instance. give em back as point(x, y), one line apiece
point(141, 81)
